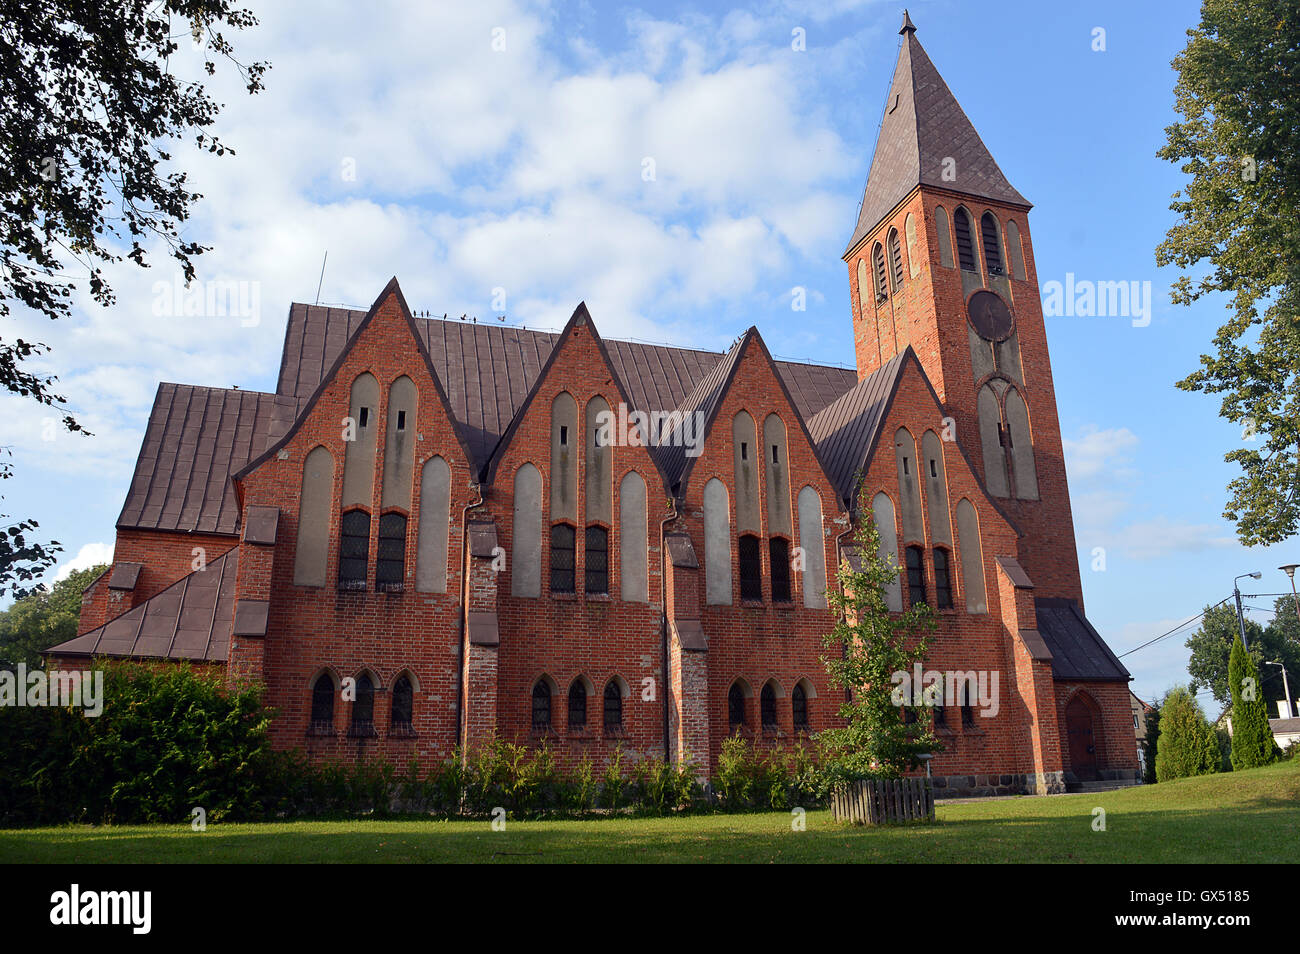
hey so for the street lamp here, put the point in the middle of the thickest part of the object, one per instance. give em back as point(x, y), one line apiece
point(1286, 687)
point(1241, 621)
point(1289, 570)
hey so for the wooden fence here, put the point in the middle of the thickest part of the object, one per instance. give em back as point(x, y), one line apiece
point(880, 801)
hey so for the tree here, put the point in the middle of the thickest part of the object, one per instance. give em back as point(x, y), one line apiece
point(43, 619)
point(1149, 743)
point(1252, 740)
point(92, 109)
point(1211, 646)
point(1186, 745)
point(1239, 227)
point(881, 738)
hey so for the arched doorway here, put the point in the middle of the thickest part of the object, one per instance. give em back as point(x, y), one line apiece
point(1084, 742)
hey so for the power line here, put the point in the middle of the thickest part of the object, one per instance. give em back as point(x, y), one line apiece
point(1175, 629)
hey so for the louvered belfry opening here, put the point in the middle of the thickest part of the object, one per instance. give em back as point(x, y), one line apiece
point(965, 247)
point(989, 236)
point(896, 259)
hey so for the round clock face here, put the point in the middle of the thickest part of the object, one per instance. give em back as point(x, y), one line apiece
point(990, 316)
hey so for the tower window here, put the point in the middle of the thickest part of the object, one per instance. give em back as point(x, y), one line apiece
point(895, 259)
point(905, 470)
point(597, 571)
point(390, 564)
point(401, 420)
point(776, 454)
point(915, 575)
point(878, 271)
point(965, 248)
point(744, 450)
point(779, 555)
point(934, 471)
point(562, 563)
point(751, 568)
point(363, 417)
point(564, 435)
point(354, 550)
point(942, 579)
point(989, 236)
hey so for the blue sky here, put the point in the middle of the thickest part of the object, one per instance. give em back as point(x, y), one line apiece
point(467, 148)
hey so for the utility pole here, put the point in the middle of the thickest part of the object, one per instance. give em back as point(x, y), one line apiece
point(1241, 620)
point(1286, 687)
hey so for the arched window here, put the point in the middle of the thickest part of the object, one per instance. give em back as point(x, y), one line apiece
point(314, 507)
point(915, 576)
point(363, 708)
point(578, 704)
point(751, 568)
point(597, 564)
point(778, 549)
point(940, 715)
point(878, 272)
point(354, 549)
point(895, 260)
point(541, 706)
point(799, 707)
point(562, 558)
point(941, 236)
point(717, 543)
point(767, 707)
point(942, 579)
point(390, 562)
point(967, 710)
point(613, 706)
point(322, 705)
point(526, 534)
point(965, 248)
point(735, 706)
point(399, 722)
point(989, 238)
point(971, 556)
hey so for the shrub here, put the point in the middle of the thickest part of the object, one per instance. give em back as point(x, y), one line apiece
point(1186, 745)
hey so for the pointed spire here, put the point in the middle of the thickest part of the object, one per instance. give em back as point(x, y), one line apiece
point(926, 139)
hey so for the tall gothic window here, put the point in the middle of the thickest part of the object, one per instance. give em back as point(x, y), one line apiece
point(942, 579)
point(779, 555)
point(390, 562)
point(613, 706)
point(799, 707)
point(403, 707)
point(578, 705)
point(322, 704)
point(767, 706)
point(965, 248)
point(363, 708)
point(751, 568)
point(597, 563)
point(562, 563)
point(354, 549)
point(878, 272)
point(915, 576)
point(735, 706)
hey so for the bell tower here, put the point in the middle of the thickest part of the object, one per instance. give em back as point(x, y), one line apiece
point(940, 260)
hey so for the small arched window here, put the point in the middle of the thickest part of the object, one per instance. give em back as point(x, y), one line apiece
point(779, 555)
point(541, 706)
point(403, 707)
point(989, 239)
point(597, 564)
point(767, 707)
point(751, 568)
point(915, 576)
point(735, 706)
point(878, 272)
point(390, 562)
point(322, 704)
point(895, 260)
point(799, 707)
point(578, 705)
point(613, 706)
point(942, 579)
point(562, 551)
point(965, 247)
point(354, 549)
point(967, 710)
point(363, 707)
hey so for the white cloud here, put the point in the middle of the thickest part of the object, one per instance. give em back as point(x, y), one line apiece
point(91, 554)
point(1100, 452)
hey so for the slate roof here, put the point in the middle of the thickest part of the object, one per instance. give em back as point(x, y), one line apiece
point(1078, 652)
point(923, 126)
point(190, 620)
point(845, 430)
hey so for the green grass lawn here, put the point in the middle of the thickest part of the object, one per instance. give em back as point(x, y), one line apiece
point(1243, 816)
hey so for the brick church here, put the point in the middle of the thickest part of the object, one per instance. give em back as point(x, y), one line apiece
point(430, 534)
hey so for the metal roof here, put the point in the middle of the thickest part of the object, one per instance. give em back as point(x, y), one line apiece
point(1078, 651)
point(190, 620)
